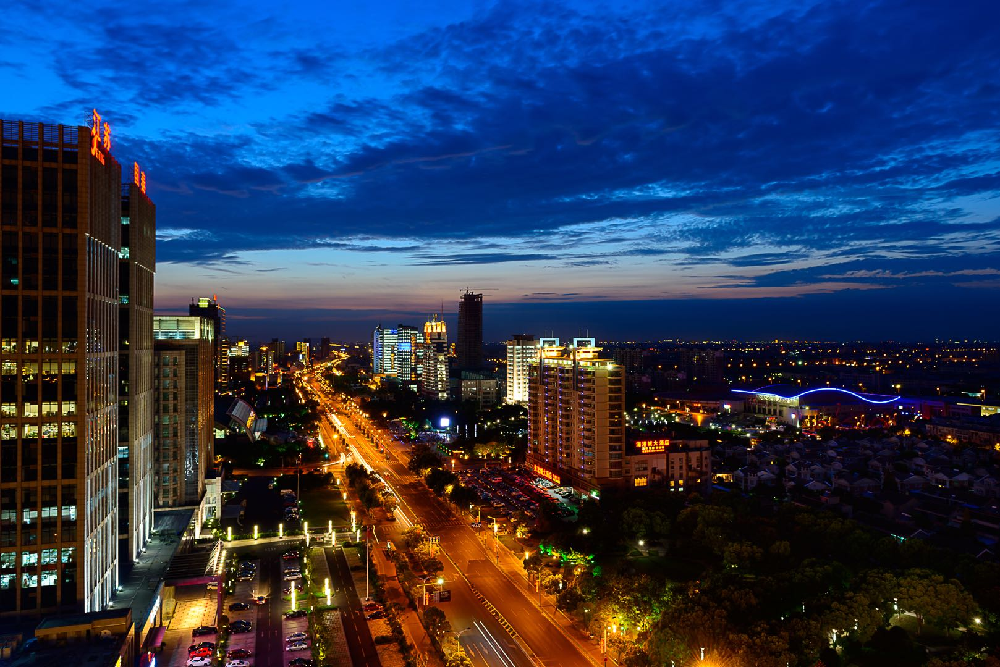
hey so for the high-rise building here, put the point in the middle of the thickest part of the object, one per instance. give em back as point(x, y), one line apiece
point(384, 352)
point(703, 366)
point(302, 352)
point(522, 350)
point(136, 267)
point(182, 429)
point(239, 361)
point(436, 356)
point(576, 415)
point(398, 353)
point(210, 308)
point(278, 347)
point(470, 332)
point(60, 210)
point(324, 348)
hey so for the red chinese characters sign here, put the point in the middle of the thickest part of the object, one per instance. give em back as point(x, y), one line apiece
point(100, 144)
point(139, 177)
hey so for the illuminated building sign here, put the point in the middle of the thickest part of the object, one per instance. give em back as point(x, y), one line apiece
point(99, 147)
point(652, 446)
point(139, 177)
point(542, 472)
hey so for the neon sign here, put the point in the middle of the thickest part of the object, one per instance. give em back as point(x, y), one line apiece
point(139, 177)
point(652, 446)
point(542, 472)
point(99, 145)
point(812, 391)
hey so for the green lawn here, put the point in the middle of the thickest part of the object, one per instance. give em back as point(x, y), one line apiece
point(324, 504)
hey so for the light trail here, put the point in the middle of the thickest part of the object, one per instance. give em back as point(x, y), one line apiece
point(494, 644)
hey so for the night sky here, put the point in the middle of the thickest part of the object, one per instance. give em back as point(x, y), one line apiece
point(707, 170)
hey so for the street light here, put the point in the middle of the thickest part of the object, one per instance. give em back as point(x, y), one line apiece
point(281, 530)
point(255, 532)
point(229, 533)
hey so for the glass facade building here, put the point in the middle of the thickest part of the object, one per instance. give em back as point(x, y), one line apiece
point(60, 212)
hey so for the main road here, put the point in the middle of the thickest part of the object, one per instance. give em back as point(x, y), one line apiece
point(542, 641)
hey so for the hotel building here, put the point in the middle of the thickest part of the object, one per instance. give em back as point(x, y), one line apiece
point(136, 268)
point(60, 211)
point(576, 422)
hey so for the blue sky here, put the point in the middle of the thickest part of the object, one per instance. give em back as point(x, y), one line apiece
point(638, 170)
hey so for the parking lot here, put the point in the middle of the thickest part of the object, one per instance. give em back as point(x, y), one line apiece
point(517, 494)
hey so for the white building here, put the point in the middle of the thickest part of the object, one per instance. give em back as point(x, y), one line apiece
point(522, 350)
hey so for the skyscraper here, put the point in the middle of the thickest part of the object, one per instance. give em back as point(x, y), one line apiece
point(60, 210)
point(470, 332)
point(210, 308)
point(182, 435)
point(435, 359)
point(398, 353)
point(136, 267)
point(576, 415)
point(522, 350)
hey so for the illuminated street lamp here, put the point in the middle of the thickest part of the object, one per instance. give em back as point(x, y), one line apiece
point(281, 530)
point(229, 533)
point(255, 532)
point(293, 596)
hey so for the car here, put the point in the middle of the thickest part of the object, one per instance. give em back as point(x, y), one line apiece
point(245, 576)
point(297, 637)
point(297, 613)
point(297, 584)
point(260, 599)
point(200, 653)
point(237, 627)
point(202, 630)
point(375, 614)
point(239, 653)
point(298, 646)
point(239, 606)
point(288, 555)
point(292, 576)
point(300, 662)
point(293, 568)
point(209, 645)
point(199, 662)
point(372, 606)
point(238, 663)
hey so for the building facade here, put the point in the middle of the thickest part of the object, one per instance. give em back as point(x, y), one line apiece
point(184, 399)
point(469, 350)
point(398, 353)
point(576, 415)
point(680, 465)
point(436, 359)
point(213, 310)
point(522, 350)
point(60, 212)
point(136, 269)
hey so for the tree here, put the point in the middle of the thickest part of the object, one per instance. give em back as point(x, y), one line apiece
point(436, 623)
point(943, 604)
point(459, 659)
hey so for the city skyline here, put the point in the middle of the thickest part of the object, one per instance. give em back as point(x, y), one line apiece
point(776, 170)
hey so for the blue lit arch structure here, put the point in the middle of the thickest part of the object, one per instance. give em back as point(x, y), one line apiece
point(764, 390)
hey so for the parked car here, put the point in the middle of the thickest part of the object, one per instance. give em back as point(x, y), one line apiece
point(239, 653)
point(199, 662)
point(288, 555)
point(296, 637)
point(300, 662)
point(372, 606)
point(298, 646)
point(298, 613)
point(239, 606)
point(376, 614)
point(238, 663)
point(200, 653)
point(204, 630)
point(292, 576)
point(208, 645)
point(237, 627)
